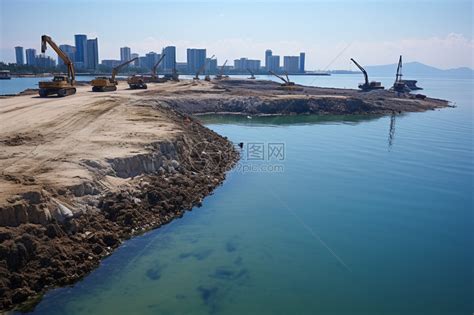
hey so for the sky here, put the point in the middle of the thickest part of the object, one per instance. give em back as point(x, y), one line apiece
point(435, 32)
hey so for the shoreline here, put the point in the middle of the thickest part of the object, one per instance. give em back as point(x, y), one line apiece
point(90, 185)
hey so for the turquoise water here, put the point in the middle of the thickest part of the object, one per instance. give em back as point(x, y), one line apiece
point(365, 215)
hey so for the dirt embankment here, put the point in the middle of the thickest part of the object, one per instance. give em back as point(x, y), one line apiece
point(82, 174)
point(256, 97)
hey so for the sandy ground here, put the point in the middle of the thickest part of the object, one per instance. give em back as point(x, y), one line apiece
point(45, 141)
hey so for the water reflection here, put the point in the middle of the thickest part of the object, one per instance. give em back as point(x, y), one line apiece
point(391, 133)
point(285, 120)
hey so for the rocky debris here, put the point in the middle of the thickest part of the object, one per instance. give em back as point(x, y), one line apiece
point(259, 97)
point(60, 249)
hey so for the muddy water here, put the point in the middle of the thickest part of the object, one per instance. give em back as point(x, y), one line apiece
point(365, 215)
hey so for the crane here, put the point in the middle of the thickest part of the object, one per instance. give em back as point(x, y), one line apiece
point(399, 85)
point(252, 77)
point(286, 82)
point(367, 86)
point(102, 84)
point(61, 85)
point(201, 69)
point(221, 75)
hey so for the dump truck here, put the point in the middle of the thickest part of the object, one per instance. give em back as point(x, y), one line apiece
point(102, 84)
point(61, 85)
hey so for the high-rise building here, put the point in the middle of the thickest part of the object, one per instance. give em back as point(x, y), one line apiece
point(125, 54)
point(111, 63)
point(143, 62)
point(92, 60)
point(273, 63)
point(81, 50)
point(31, 57)
point(291, 64)
point(243, 64)
point(44, 61)
point(20, 60)
point(151, 59)
point(211, 66)
point(69, 50)
point(196, 58)
point(268, 54)
point(302, 61)
point(169, 61)
point(133, 56)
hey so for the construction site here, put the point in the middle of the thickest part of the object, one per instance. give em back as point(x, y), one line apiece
point(84, 172)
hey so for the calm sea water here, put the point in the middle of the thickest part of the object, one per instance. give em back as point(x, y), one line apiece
point(365, 215)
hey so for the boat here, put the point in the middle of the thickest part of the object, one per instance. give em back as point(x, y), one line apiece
point(5, 75)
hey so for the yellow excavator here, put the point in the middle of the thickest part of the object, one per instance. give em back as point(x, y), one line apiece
point(287, 84)
point(154, 78)
point(61, 85)
point(201, 69)
point(102, 84)
point(221, 75)
point(137, 82)
point(252, 76)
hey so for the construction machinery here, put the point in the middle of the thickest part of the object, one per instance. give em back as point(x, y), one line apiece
point(401, 85)
point(367, 86)
point(201, 69)
point(252, 77)
point(102, 84)
point(287, 84)
point(137, 82)
point(61, 85)
point(174, 76)
point(221, 75)
point(154, 76)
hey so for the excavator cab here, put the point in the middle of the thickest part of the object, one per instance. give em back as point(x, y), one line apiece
point(60, 78)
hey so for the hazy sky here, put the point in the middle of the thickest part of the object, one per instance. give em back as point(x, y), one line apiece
point(436, 32)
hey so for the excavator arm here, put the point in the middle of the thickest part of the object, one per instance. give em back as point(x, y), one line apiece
point(398, 77)
point(120, 66)
point(153, 71)
point(363, 71)
point(201, 69)
point(221, 73)
point(278, 76)
point(45, 40)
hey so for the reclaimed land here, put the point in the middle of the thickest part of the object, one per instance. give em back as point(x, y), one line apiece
point(81, 174)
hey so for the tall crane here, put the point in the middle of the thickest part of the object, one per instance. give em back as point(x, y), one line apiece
point(367, 86)
point(201, 69)
point(221, 75)
point(399, 85)
point(102, 84)
point(61, 85)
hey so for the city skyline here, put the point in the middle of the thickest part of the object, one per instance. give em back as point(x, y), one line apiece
point(322, 29)
point(85, 56)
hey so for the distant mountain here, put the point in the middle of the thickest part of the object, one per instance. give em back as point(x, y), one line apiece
point(412, 70)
